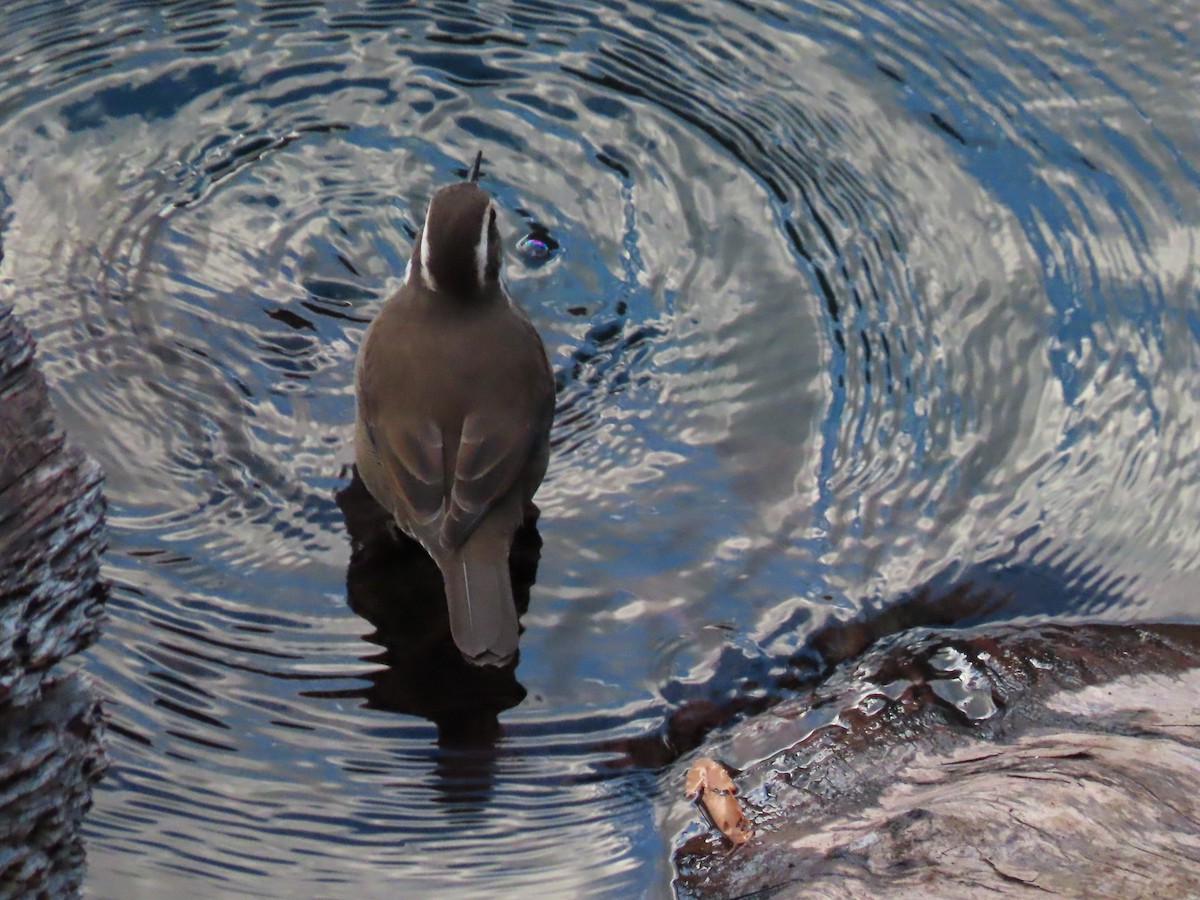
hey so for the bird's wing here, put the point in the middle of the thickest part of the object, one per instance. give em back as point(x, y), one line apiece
point(411, 452)
point(492, 453)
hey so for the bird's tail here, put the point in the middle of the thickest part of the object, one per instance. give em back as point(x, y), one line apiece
point(483, 616)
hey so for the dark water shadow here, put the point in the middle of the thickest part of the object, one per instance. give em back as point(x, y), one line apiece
point(988, 594)
point(394, 584)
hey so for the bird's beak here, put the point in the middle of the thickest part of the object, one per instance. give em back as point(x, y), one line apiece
point(475, 168)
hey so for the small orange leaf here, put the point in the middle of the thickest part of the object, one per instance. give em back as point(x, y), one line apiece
point(709, 784)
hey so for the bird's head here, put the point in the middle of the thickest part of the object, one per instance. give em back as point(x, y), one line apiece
point(458, 249)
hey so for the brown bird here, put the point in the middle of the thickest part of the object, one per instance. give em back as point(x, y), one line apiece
point(455, 401)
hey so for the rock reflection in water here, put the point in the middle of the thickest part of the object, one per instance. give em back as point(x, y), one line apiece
point(394, 584)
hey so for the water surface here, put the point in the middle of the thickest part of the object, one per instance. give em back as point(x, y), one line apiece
point(849, 301)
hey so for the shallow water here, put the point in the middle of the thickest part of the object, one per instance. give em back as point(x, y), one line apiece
point(849, 300)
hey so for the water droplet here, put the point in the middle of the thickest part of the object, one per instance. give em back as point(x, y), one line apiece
point(872, 704)
point(969, 689)
point(538, 246)
point(533, 248)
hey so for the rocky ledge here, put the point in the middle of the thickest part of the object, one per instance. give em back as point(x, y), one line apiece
point(985, 762)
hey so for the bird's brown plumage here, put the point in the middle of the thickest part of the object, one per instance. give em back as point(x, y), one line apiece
point(455, 401)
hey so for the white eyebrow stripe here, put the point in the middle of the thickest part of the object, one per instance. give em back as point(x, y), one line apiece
point(427, 277)
point(481, 246)
point(427, 252)
point(426, 243)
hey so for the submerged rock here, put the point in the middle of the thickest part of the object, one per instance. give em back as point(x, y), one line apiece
point(986, 762)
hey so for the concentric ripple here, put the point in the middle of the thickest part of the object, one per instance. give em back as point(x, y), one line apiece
point(844, 301)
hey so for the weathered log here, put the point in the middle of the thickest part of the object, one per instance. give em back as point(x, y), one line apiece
point(51, 606)
point(979, 763)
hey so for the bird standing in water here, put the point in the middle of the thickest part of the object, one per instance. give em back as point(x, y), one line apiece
point(455, 401)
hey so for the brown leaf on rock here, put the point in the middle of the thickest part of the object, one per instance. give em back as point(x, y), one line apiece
point(709, 784)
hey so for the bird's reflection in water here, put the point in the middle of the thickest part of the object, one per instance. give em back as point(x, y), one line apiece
point(393, 584)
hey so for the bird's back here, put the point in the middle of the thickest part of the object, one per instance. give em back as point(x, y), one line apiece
point(430, 375)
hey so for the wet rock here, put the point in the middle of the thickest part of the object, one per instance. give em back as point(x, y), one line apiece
point(51, 754)
point(51, 529)
point(51, 606)
point(989, 762)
